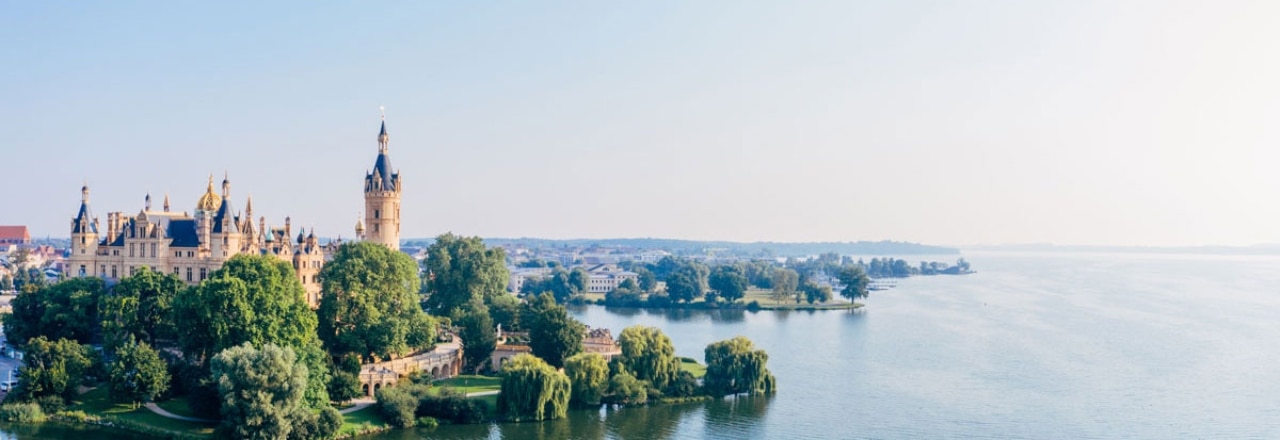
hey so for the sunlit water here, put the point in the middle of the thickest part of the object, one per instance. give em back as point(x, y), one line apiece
point(1067, 346)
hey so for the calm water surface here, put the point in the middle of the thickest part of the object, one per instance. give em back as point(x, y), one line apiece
point(1064, 346)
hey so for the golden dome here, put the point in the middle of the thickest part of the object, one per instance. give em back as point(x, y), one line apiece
point(210, 201)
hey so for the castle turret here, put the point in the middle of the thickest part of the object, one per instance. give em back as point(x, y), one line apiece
point(225, 235)
point(382, 197)
point(84, 238)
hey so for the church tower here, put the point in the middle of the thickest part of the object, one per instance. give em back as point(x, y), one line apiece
point(382, 197)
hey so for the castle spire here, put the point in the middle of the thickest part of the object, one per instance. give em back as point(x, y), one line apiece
point(146, 206)
point(226, 185)
point(383, 138)
point(166, 202)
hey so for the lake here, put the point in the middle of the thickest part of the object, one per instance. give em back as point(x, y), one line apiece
point(1045, 346)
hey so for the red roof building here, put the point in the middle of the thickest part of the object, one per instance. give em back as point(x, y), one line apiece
point(14, 235)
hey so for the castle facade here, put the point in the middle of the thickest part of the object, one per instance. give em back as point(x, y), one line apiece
point(190, 246)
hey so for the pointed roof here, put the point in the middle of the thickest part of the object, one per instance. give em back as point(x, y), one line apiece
point(83, 223)
point(224, 214)
point(382, 176)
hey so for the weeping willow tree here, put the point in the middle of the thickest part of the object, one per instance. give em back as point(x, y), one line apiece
point(649, 355)
point(735, 366)
point(532, 390)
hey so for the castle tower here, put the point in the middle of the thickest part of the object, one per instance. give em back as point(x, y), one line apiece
point(84, 238)
point(382, 197)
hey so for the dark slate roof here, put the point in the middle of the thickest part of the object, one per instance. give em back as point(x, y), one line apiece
point(224, 213)
point(184, 234)
point(382, 172)
point(84, 221)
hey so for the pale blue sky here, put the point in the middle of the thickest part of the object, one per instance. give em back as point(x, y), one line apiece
point(1124, 123)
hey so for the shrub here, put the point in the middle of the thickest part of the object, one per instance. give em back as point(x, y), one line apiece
point(398, 406)
point(753, 306)
point(51, 404)
point(26, 412)
point(330, 422)
point(685, 385)
point(452, 406)
point(428, 422)
point(626, 389)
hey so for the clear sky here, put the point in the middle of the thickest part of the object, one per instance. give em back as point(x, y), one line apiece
point(951, 122)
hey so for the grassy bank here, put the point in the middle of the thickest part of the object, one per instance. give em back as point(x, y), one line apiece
point(470, 384)
point(140, 419)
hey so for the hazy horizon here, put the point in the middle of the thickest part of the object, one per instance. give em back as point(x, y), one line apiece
point(1144, 123)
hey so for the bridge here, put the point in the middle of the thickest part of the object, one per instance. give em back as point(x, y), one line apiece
point(443, 361)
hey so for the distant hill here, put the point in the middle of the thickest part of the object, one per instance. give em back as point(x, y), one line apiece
point(686, 247)
point(1259, 249)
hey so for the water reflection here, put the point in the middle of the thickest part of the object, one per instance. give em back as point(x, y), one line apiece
point(727, 316)
point(648, 422)
point(736, 417)
point(58, 431)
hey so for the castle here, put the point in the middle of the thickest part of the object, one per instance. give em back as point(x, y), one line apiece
point(191, 246)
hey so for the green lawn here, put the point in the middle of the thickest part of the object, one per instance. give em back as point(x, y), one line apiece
point(694, 368)
point(765, 299)
point(471, 384)
point(358, 420)
point(96, 402)
point(179, 406)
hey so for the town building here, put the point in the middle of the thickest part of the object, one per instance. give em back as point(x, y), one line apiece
point(191, 245)
point(14, 235)
point(606, 277)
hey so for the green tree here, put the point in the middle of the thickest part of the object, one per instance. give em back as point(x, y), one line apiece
point(254, 299)
point(578, 280)
point(625, 389)
point(855, 282)
point(461, 269)
point(647, 280)
point(137, 373)
point(369, 304)
point(649, 355)
point(505, 311)
point(729, 281)
point(735, 366)
point(589, 378)
point(553, 334)
point(261, 390)
point(53, 368)
point(683, 285)
point(532, 390)
point(478, 336)
point(66, 310)
point(6, 283)
point(815, 293)
point(140, 306)
point(785, 282)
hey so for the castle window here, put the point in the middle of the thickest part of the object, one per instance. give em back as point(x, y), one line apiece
point(81, 270)
point(188, 274)
point(113, 272)
point(132, 270)
point(377, 213)
point(104, 270)
point(175, 271)
point(202, 274)
point(190, 254)
point(375, 227)
point(153, 250)
point(130, 250)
